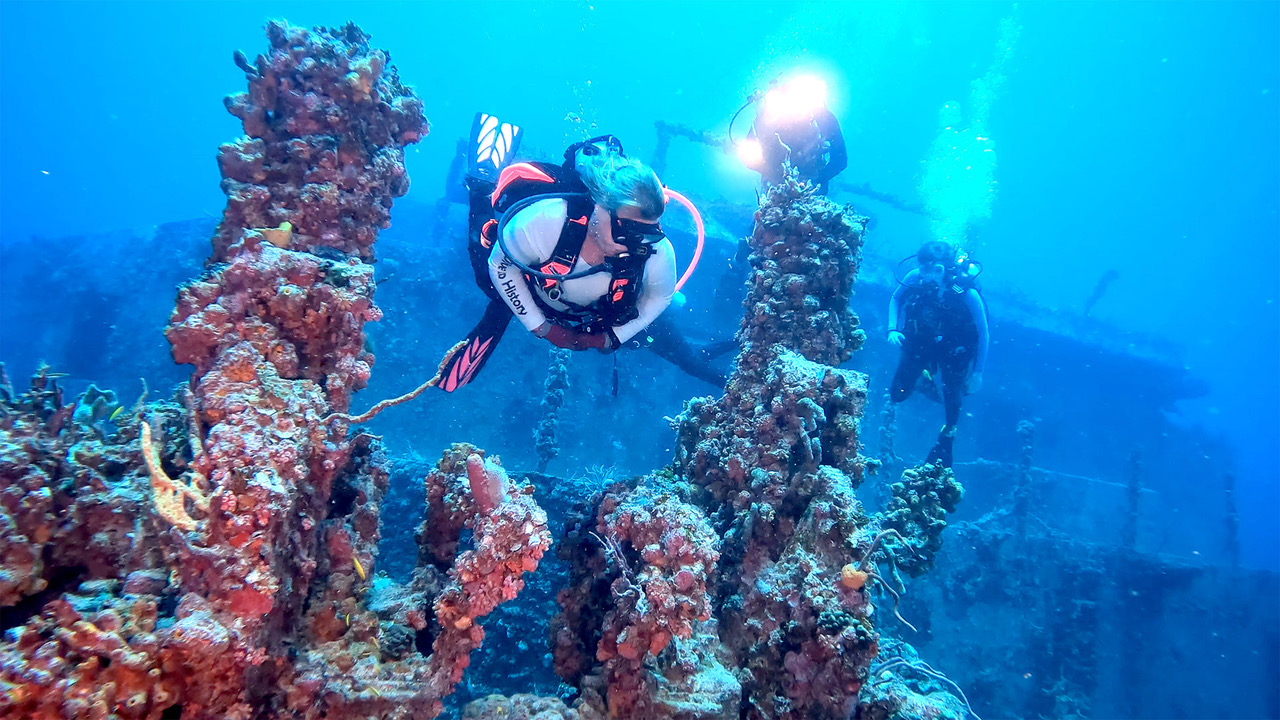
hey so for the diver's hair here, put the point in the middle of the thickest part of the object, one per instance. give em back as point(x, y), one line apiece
point(936, 251)
point(616, 181)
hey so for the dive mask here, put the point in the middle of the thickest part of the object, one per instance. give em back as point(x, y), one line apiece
point(638, 237)
point(932, 273)
point(593, 146)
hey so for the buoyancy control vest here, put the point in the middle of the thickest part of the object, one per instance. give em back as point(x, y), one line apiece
point(938, 315)
point(524, 183)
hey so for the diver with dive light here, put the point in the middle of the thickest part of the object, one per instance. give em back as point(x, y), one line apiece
point(574, 251)
point(938, 318)
point(792, 125)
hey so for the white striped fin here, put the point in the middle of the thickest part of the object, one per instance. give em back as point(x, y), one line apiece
point(488, 133)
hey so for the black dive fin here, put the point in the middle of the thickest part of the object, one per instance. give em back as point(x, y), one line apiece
point(493, 146)
point(467, 362)
point(455, 182)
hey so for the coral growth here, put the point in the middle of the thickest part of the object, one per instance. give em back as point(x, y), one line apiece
point(488, 483)
point(95, 654)
point(519, 707)
point(781, 414)
point(389, 675)
point(804, 256)
point(170, 497)
point(125, 636)
point(738, 559)
point(326, 121)
point(640, 567)
point(676, 551)
point(777, 462)
point(276, 335)
point(557, 382)
point(82, 540)
point(302, 314)
point(217, 557)
point(769, 470)
point(509, 537)
point(673, 550)
point(918, 510)
point(903, 687)
point(74, 503)
point(817, 668)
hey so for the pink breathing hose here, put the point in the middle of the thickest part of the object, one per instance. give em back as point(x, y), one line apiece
point(702, 235)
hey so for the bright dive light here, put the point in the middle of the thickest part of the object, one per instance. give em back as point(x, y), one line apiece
point(750, 153)
point(799, 98)
point(808, 92)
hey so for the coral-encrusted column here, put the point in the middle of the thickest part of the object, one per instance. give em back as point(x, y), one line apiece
point(349, 672)
point(275, 332)
point(635, 631)
point(777, 461)
point(326, 121)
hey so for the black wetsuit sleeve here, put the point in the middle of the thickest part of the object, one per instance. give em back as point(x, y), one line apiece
point(670, 345)
point(839, 160)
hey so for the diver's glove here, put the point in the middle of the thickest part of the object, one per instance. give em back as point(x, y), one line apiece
point(896, 338)
point(974, 384)
point(563, 337)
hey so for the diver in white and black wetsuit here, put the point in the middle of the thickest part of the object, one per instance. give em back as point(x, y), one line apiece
point(532, 235)
point(575, 251)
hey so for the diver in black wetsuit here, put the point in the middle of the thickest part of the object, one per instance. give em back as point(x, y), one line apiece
point(574, 251)
point(664, 338)
point(939, 320)
point(793, 124)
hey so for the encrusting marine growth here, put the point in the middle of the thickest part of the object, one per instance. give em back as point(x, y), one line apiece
point(738, 583)
point(169, 496)
point(247, 591)
point(216, 557)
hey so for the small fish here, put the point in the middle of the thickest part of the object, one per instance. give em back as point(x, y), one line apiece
point(115, 413)
point(359, 568)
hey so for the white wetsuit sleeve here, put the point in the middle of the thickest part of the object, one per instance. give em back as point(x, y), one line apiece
point(895, 302)
point(659, 288)
point(978, 310)
point(531, 237)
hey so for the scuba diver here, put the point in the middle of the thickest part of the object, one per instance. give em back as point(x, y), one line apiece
point(793, 125)
point(575, 251)
point(939, 319)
